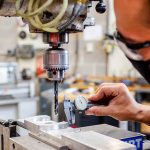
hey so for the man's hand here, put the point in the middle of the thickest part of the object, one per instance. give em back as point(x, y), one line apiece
point(121, 105)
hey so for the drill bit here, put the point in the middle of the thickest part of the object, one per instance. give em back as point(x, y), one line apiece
point(56, 96)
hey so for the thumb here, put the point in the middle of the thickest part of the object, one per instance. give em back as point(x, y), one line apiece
point(98, 111)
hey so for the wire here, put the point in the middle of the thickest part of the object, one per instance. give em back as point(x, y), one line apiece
point(77, 10)
point(38, 11)
point(59, 16)
point(33, 12)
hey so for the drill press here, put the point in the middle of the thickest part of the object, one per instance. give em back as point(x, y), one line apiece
point(55, 19)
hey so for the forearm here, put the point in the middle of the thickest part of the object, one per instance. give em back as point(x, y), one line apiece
point(143, 114)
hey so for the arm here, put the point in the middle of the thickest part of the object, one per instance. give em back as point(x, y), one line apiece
point(121, 105)
point(144, 114)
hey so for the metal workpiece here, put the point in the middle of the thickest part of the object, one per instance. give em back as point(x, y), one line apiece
point(45, 134)
point(59, 136)
point(70, 141)
point(43, 123)
point(91, 140)
point(29, 143)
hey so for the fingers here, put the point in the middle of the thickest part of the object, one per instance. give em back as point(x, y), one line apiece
point(116, 95)
point(105, 92)
point(98, 111)
point(105, 84)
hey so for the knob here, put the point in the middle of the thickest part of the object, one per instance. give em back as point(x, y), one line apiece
point(100, 7)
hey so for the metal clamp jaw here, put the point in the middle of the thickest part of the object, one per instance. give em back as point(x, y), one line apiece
point(69, 110)
point(8, 123)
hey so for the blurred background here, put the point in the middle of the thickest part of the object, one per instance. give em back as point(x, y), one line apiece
point(94, 59)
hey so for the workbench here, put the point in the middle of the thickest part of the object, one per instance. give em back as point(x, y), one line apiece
point(44, 134)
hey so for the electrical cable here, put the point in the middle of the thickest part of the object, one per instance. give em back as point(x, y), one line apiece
point(78, 8)
point(33, 11)
point(37, 11)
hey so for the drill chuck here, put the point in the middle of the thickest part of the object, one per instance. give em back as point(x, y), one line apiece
point(56, 62)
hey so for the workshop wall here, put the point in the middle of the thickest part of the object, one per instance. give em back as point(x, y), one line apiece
point(32, 39)
point(87, 62)
point(82, 61)
point(8, 35)
point(119, 65)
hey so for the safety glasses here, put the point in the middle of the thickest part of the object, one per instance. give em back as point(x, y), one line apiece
point(131, 49)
